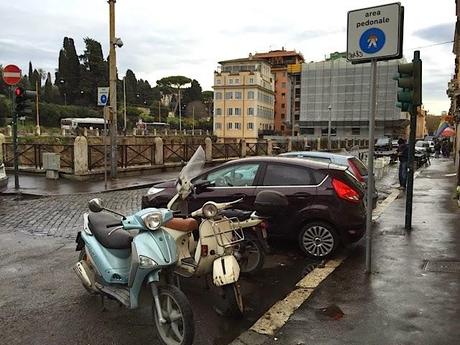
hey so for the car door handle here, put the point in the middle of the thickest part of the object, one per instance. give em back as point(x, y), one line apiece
point(239, 195)
point(302, 195)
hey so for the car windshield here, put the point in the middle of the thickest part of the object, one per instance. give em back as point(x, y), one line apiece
point(382, 141)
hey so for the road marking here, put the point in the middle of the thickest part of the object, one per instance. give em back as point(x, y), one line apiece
point(282, 310)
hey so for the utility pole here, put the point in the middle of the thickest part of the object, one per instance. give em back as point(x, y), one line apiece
point(329, 144)
point(180, 114)
point(113, 90)
point(37, 130)
point(124, 105)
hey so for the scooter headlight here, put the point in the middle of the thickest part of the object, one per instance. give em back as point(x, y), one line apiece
point(146, 262)
point(209, 210)
point(153, 220)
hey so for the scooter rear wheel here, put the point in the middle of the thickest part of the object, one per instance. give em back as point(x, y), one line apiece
point(233, 300)
point(179, 328)
point(250, 254)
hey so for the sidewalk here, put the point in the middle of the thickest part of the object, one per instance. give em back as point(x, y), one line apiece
point(40, 186)
point(413, 294)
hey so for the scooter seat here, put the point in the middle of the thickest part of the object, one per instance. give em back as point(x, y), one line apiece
point(234, 213)
point(108, 231)
point(182, 224)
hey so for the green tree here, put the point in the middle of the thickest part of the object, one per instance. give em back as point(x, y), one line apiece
point(31, 75)
point(192, 93)
point(94, 71)
point(4, 89)
point(131, 87)
point(208, 101)
point(68, 74)
point(48, 91)
point(172, 85)
point(5, 110)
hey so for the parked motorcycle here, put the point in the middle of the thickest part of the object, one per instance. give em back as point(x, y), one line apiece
point(212, 251)
point(118, 254)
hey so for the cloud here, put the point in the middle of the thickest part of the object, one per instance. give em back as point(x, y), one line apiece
point(437, 33)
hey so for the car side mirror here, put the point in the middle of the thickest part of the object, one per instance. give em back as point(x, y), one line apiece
point(202, 186)
point(96, 205)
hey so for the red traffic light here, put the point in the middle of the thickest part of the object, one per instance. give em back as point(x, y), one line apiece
point(19, 92)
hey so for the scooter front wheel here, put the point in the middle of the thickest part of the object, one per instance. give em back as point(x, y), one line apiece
point(179, 328)
point(233, 300)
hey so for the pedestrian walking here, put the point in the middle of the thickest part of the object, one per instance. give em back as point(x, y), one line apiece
point(403, 155)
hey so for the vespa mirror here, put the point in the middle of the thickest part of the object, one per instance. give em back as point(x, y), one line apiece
point(96, 205)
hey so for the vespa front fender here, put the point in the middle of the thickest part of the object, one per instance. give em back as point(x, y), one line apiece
point(226, 270)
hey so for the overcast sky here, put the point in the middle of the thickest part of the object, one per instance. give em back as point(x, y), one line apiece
point(184, 37)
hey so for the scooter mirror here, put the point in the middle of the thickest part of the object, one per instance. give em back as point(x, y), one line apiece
point(96, 205)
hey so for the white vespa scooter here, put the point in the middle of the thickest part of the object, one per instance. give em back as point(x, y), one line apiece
point(213, 251)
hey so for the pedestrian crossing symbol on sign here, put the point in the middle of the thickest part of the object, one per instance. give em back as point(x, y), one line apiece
point(372, 40)
point(102, 96)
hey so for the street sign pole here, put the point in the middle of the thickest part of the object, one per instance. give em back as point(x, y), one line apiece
point(15, 143)
point(370, 164)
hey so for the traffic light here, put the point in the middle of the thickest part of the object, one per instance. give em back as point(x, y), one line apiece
point(24, 100)
point(409, 79)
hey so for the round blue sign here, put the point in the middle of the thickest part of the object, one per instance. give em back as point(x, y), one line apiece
point(372, 40)
point(104, 99)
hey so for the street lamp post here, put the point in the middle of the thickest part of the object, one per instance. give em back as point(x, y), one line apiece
point(329, 144)
point(180, 114)
point(113, 87)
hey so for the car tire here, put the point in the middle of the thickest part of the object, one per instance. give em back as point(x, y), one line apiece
point(318, 240)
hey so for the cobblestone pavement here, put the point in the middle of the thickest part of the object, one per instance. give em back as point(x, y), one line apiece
point(59, 216)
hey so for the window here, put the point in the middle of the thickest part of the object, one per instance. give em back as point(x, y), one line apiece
point(250, 94)
point(250, 111)
point(250, 125)
point(218, 95)
point(218, 111)
point(218, 125)
point(229, 111)
point(229, 125)
point(324, 131)
point(237, 111)
point(283, 116)
point(287, 175)
point(236, 175)
point(230, 81)
point(356, 131)
point(309, 131)
point(237, 125)
point(283, 105)
point(251, 80)
point(218, 81)
point(283, 96)
point(237, 95)
point(229, 95)
point(237, 81)
point(283, 84)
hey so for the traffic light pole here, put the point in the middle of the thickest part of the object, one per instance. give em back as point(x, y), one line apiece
point(15, 144)
point(370, 165)
point(417, 62)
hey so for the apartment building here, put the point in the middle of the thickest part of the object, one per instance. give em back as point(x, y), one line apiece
point(337, 90)
point(287, 87)
point(243, 99)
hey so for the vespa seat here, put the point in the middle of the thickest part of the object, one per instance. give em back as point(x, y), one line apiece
point(182, 224)
point(108, 231)
point(235, 213)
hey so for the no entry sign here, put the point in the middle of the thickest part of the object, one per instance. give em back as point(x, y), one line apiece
point(11, 74)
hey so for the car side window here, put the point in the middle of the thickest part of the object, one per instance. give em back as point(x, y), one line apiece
point(234, 176)
point(286, 175)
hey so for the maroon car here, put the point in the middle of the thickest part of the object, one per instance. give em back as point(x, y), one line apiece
point(325, 200)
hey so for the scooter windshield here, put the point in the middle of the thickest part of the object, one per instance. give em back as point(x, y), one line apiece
point(194, 166)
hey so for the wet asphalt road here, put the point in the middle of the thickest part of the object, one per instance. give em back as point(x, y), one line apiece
point(43, 302)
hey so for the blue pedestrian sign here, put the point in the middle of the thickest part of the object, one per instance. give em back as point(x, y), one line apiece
point(102, 96)
point(375, 33)
point(372, 40)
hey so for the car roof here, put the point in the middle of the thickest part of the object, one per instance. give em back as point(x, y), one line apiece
point(318, 154)
point(287, 160)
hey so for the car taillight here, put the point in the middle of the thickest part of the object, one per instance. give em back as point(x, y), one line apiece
point(356, 172)
point(345, 192)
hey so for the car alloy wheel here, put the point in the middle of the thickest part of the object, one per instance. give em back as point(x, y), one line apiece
point(318, 240)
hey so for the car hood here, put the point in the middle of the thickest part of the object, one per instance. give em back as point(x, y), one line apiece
point(166, 184)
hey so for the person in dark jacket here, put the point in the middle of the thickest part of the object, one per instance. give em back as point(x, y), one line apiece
point(403, 155)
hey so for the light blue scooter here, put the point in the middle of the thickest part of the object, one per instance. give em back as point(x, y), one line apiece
point(118, 255)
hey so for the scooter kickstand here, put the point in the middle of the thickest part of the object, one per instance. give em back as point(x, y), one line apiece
point(103, 308)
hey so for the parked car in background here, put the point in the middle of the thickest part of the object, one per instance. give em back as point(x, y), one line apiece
point(394, 143)
point(325, 209)
point(383, 144)
point(3, 178)
point(422, 146)
point(354, 165)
